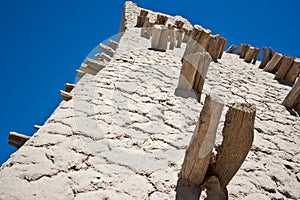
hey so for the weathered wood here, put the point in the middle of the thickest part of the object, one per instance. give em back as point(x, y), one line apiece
point(293, 72)
point(66, 96)
point(221, 47)
point(142, 18)
point(213, 47)
point(249, 55)
point(37, 127)
point(106, 49)
point(69, 87)
point(96, 65)
point(79, 73)
point(284, 67)
point(192, 45)
point(198, 153)
point(161, 20)
point(187, 35)
point(255, 55)
point(102, 56)
point(291, 99)
point(244, 51)
point(231, 49)
point(202, 70)
point(213, 189)
point(272, 65)
point(240, 48)
point(238, 134)
point(179, 24)
point(113, 44)
point(87, 69)
point(264, 58)
point(204, 38)
point(16, 139)
point(179, 37)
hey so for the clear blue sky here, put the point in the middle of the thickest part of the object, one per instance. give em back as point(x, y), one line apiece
point(44, 42)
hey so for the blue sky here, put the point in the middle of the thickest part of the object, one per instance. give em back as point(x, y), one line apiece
point(44, 42)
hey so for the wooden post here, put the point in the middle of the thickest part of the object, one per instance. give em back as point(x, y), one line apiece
point(244, 51)
point(293, 72)
point(37, 127)
point(155, 36)
point(240, 48)
point(255, 55)
point(161, 20)
point(273, 64)
point(192, 75)
point(231, 49)
point(113, 44)
point(94, 64)
point(221, 47)
point(213, 47)
point(106, 49)
point(198, 154)
point(16, 139)
point(87, 69)
point(293, 96)
point(249, 55)
point(142, 18)
point(187, 35)
point(79, 73)
point(286, 64)
point(66, 96)
point(264, 58)
point(69, 87)
point(204, 38)
point(238, 134)
point(102, 56)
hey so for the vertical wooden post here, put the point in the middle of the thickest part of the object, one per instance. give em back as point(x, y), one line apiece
point(244, 51)
point(286, 64)
point(142, 18)
point(231, 49)
point(221, 47)
point(255, 55)
point(204, 38)
point(198, 153)
point(293, 96)
point(272, 65)
point(238, 134)
point(240, 48)
point(249, 55)
point(264, 58)
point(212, 47)
point(293, 72)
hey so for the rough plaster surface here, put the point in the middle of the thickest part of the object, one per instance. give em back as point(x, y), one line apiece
point(123, 134)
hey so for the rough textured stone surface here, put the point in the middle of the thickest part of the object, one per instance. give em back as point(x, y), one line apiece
point(123, 134)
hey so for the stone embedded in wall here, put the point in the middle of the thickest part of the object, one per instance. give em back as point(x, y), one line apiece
point(159, 40)
point(146, 30)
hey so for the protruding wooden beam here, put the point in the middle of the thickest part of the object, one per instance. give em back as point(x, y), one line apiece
point(240, 48)
point(142, 18)
point(79, 73)
point(293, 97)
point(113, 44)
point(272, 66)
point(37, 127)
point(213, 47)
point(231, 49)
point(221, 47)
point(249, 55)
point(204, 38)
point(187, 35)
point(161, 20)
point(87, 69)
point(238, 134)
point(96, 65)
point(293, 72)
point(69, 87)
point(198, 154)
point(179, 24)
point(255, 55)
point(16, 139)
point(284, 67)
point(244, 51)
point(66, 96)
point(266, 58)
point(102, 56)
point(106, 49)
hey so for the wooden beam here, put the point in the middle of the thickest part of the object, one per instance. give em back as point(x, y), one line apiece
point(94, 64)
point(244, 51)
point(238, 134)
point(213, 47)
point(179, 37)
point(231, 49)
point(102, 56)
point(79, 73)
point(106, 49)
point(172, 37)
point(293, 72)
point(240, 48)
point(284, 67)
point(221, 47)
point(249, 55)
point(198, 154)
point(293, 96)
point(87, 69)
point(16, 139)
point(255, 55)
point(272, 65)
point(66, 96)
point(37, 127)
point(69, 87)
point(113, 44)
point(204, 38)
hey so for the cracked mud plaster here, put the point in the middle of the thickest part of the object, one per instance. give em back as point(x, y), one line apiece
point(124, 133)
